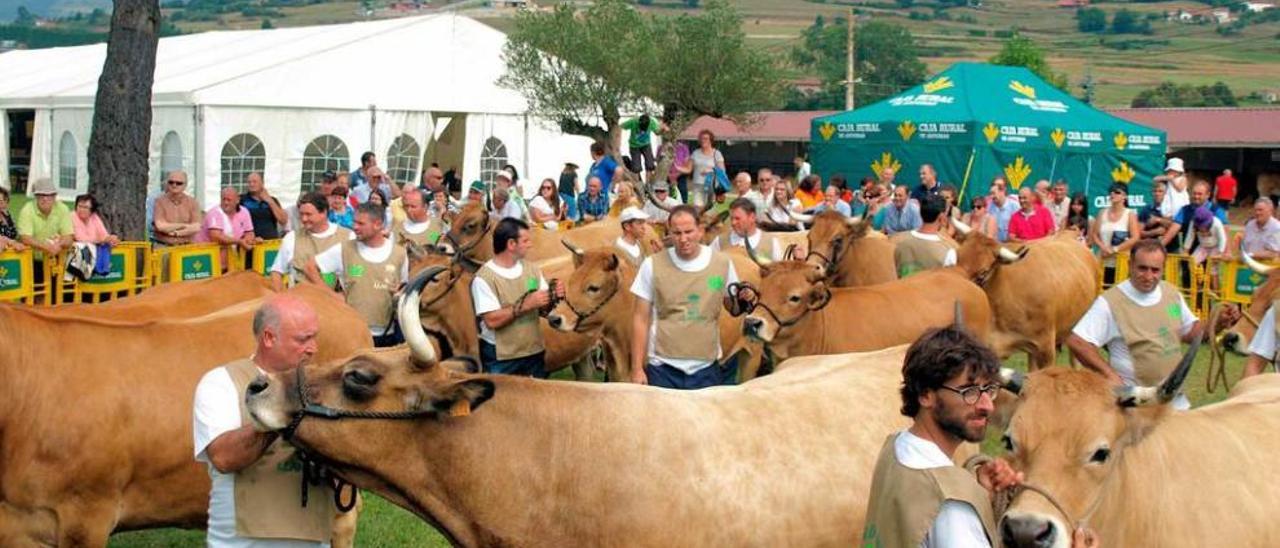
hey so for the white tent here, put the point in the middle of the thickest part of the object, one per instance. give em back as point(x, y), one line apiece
point(294, 102)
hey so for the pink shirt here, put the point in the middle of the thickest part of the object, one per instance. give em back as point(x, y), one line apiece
point(90, 231)
point(1031, 227)
point(217, 219)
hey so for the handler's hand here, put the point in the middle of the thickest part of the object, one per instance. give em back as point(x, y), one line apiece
point(1084, 537)
point(638, 376)
point(997, 476)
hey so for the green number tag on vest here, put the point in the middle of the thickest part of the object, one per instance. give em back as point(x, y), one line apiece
point(715, 283)
point(329, 279)
point(355, 270)
point(531, 284)
point(1174, 310)
point(433, 237)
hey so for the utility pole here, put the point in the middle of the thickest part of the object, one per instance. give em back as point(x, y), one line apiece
point(1088, 84)
point(848, 83)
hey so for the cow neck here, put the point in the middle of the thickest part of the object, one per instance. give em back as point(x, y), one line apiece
point(463, 336)
point(616, 330)
point(807, 336)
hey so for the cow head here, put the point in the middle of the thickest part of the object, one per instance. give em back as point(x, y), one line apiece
point(407, 381)
point(597, 281)
point(979, 255)
point(1068, 436)
point(788, 292)
point(1237, 337)
point(446, 310)
point(471, 234)
point(830, 237)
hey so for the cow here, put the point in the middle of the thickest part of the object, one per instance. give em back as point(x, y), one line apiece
point(794, 312)
point(492, 460)
point(174, 300)
point(1238, 336)
point(598, 301)
point(470, 236)
point(1037, 294)
point(95, 424)
point(1137, 471)
point(847, 251)
point(448, 315)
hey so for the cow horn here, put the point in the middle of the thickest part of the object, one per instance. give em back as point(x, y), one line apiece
point(1253, 263)
point(751, 252)
point(961, 227)
point(1138, 396)
point(852, 221)
point(1007, 256)
point(959, 314)
point(411, 319)
point(1012, 379)
point(800, 217)
point(575, 249)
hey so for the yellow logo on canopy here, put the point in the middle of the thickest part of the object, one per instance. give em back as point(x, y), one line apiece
point(1123, 174)
point(938, 85)
point(1017, 172)
point(991, 132)
point(1121, 141)
point(886, 161)
point(1023, 89)
point(1058, 137)
point(906, 129)
point(826, 130)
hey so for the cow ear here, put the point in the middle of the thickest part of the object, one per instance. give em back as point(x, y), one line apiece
point(460, 398)
point(577, 260)
point(415, 252)
point(613, 262)
point(764, 270)
point(819, 296)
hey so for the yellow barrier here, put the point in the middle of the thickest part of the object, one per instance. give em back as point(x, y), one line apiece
point(261, 257)
point(184, 263)
point(131, 272)
point(17, 276)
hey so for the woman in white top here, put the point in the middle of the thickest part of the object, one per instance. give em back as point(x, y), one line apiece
point(779, 203)
point(979, 219)
point(1115, 231)
point(705, 161)
point(545, 208)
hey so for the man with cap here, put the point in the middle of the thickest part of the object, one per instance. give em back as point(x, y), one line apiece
point(177, 217)
point(476, 193)
point(743, 230)
point(508, 292)
point(1142, 322)
point(314, 235)
point(45, 224)
point(661, 193)
point(675, 323)
point(634, 223)
point(568, 189)
point(1175, 196)
point(514, 207)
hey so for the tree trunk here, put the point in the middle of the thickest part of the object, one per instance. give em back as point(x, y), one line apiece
point(121, 138)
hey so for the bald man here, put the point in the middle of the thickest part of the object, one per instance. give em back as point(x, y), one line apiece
point(254, 498)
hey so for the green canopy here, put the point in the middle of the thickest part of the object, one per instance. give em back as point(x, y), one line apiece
point(975, 121)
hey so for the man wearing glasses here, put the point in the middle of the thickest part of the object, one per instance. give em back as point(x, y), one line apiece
point(919, 497)
point(661, 193)
point(177, 217)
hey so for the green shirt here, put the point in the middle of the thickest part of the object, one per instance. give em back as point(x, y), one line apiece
point(638, 139)
point(44, 227)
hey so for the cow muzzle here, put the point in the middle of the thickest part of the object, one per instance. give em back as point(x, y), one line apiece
point(756, 328)
point(560, 322)
point(1032, 531)
point(264, 401)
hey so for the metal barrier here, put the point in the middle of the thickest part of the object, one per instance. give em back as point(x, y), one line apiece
point(259, 259)
point(184, 263)
point(131, 272)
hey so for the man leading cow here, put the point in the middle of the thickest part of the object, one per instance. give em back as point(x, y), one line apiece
point(744, 231)
point(923, 248)
point(508, 292)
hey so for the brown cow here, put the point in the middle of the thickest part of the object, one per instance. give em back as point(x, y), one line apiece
point(848, 251)
point(174, 300)
point(472, 458)
point(1237, 337)
point(795, 313)
point(1036, 295)
point(471, 234)
point(95, 424)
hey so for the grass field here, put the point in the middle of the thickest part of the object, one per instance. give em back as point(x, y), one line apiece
point(383, 525)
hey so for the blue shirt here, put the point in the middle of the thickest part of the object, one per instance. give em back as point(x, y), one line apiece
point(264, 221)
point(357, 179)
point(604, 170)
point(1003, 215)
point(841, 208)
point(596, 207)
point(346, 220)
point(901, 220)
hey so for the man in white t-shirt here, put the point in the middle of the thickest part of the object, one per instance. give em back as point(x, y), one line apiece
point(315, 235)
point(661, 193)
point(922, 248)
point(254, 501)
point(508, 292)
point(675, 322)
point(1142, 322)
point(1262, 349)
point(743, 230)
point(370, 270)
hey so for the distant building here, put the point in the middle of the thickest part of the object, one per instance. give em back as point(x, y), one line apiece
point(1073, 3)
point(1221, 15)
point(1258, 6)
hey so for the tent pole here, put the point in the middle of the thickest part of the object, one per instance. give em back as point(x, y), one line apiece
point(967, 169)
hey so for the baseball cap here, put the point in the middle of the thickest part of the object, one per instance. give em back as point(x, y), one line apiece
point(633, 213)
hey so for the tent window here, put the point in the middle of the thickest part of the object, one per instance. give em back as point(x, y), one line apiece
point(325, 153)
point(402, 159)
point(492, 158)
point(243, 154)
point(170, 154)
point(67, 161)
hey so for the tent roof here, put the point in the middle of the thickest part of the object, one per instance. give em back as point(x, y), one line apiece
point(442, 62)
point(980, 93)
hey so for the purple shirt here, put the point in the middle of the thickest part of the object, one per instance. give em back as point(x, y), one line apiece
point(235, 226)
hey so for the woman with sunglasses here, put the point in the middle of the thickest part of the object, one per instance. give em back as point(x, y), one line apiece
point(979, 219)
point(1114, 231)
point(545, 208)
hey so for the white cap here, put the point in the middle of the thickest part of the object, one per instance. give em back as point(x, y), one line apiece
point(633, 213)
point(506, 174)
point(1175, 164)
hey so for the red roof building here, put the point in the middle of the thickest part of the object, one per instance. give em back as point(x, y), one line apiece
point(1244, 127)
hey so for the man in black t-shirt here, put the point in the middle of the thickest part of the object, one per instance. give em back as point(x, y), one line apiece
point(264, 209)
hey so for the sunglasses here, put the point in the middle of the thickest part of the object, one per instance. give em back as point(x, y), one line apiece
point(177, 183)
point(979, 206)
point(548, 188)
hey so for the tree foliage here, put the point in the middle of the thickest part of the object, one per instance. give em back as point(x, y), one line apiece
point(1169, 94)
point(584, 69)
point(1021, 51)
point(886, 62)
point(1091, 20)
point(1127, 21)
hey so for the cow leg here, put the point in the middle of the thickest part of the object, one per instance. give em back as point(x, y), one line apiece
point(26, 527)
point(86, 525)
point(1043, 353)
point(583, 369)
point(344, 525)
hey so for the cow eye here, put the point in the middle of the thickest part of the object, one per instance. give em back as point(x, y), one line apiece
point(363, 378)
point(794, 299)
point(1008, 442)
point(1100, 456)
point(593, 288)
point(359, 385)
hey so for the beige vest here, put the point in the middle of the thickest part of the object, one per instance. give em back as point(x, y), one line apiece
point(904, 501)
point(268, 504)
point(306, 246)
point(522, 337)
point(427, 237)
point(764, 252)
point(370, 287)
point(688, 306)
point(912, 254)
point(1152, 333)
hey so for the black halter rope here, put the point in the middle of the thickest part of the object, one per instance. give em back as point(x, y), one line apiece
point(582, 316)
point(837, 244)
point(460, 251)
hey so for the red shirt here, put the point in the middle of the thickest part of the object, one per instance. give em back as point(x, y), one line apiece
point(1031, 227)
point(1226, 185)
